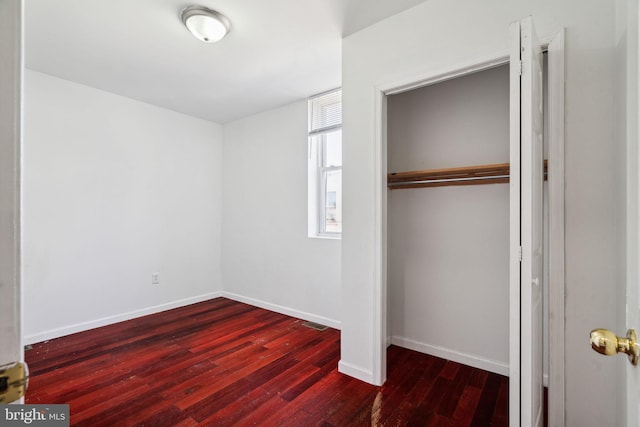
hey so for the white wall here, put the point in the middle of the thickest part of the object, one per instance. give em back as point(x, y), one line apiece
point(431, 38)
point(268, 260)
point(448, 272)
point(114, 190)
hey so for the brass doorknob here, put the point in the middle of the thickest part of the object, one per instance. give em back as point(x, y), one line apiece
point(606, 342)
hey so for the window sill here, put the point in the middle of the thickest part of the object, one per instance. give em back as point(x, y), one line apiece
point(324, 237)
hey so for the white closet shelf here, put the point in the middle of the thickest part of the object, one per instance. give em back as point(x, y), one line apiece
point(467, 175)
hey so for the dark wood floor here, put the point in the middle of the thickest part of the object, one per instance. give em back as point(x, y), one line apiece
point(221, 362)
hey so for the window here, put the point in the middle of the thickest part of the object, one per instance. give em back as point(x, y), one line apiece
point(325, 165)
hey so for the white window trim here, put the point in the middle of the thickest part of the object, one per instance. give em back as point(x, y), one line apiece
point(317, 181)
point(322, 172)
point(317, 193)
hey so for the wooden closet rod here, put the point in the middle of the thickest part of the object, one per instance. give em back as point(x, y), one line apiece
point(467, 175)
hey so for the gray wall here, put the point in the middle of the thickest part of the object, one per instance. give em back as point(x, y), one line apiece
point(114, 191)
point(448, 273)
point(438, 35)
point(268, 260)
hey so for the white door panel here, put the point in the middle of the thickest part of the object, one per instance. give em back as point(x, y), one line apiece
point(10, 134)
point(526, 227)
point(633, 207)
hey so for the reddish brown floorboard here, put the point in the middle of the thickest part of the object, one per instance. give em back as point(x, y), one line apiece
point(223, 363)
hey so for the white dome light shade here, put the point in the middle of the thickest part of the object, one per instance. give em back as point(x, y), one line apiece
point(206, 24)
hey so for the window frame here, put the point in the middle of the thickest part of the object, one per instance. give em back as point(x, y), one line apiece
point(323, 173)
point(318, 174)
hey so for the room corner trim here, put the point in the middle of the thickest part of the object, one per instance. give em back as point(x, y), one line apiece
point(355, 372)
point(109, 320)
point(332, 323)
point(456, 356)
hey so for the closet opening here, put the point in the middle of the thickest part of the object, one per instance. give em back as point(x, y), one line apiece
point(447, 220)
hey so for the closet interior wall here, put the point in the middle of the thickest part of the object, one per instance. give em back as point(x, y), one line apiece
point(448, 247)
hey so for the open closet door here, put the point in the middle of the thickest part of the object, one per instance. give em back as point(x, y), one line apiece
point(12, 371)
point(525, 348)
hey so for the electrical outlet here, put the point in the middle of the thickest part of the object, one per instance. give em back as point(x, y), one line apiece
point(155, 278)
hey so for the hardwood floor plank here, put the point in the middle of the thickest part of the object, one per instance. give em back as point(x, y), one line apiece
point(450, 370)
point(220, 362)
point(78, 387)
point(319, 400)
point(96, 404)
point(487, 403)
point(501, 411)
point(357, 409)
point(217, 401)
point(398, 388)
point(262, 412)
point(478, 378)
point(450, 401)
point(141, 408)
point(219, 379)
point(297, 419)
point(467, 404)
point(396, 409)
point(240, 408)
point(168, 416)
point(303, 385)
point(273, 390)
point(427, 407)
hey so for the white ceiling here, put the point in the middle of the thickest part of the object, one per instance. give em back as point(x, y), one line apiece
point(278, 51)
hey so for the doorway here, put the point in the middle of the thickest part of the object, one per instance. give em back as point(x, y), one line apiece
point(448, 239)
point(555, 133)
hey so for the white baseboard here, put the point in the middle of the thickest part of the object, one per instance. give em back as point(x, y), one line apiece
point(456, 356)
point(283, 310)
point(104, 321)
point(355, 372)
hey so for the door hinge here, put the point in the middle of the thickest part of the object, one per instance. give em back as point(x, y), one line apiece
point(519, 67)
point(519, 254)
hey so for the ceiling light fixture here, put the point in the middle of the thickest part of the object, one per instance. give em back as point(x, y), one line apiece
point(206, 24)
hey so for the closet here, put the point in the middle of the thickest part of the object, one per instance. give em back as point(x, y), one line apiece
point(448, 219)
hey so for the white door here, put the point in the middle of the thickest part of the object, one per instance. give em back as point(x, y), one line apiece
point(633, 207)
point(525, 353)
point(633, 302)
point(10, 134)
